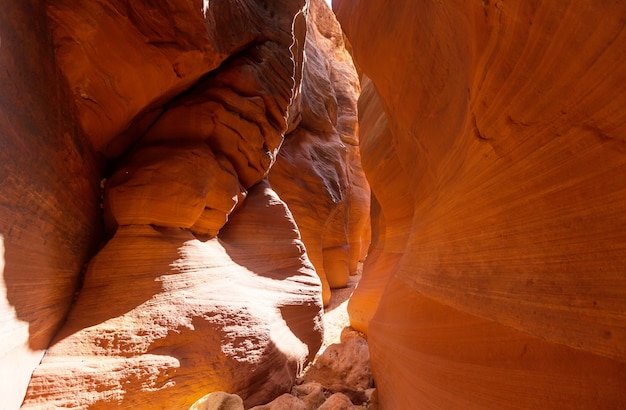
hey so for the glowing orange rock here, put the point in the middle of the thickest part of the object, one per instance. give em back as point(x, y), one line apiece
point(505, 121)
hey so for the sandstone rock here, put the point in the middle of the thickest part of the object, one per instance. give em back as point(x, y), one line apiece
point(283, 402)
point(390, 231)
point(456, 359)
point(504, 122)
point(318, 171)
point(372, 399)
point(124, 62)
point(337, 401)
point(343, 367)
point(350, 333)
point(173, 186)
point(312, 394)
point(49, 212)
point(164, 317)
point(218, 400)
point(146, 328)
point(184, 106)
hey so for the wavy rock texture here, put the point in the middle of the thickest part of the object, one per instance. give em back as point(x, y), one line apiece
point(125, 61)
point(390, 232)
point(318, 170)
point(173, 319)
point(49, 213)
point(205, 284)
point(506, 122)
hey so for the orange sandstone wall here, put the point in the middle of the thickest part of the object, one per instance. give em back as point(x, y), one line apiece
point(318, 169)
point(204, 282)
point(49, 212)
point(506, 120)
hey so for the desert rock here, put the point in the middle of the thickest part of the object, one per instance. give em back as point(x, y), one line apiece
point(505, 128)
point(318, 169)
point(218, 401)
point(337, 401)
point(343, 366)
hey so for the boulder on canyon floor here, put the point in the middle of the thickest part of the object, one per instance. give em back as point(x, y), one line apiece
point(505, 121)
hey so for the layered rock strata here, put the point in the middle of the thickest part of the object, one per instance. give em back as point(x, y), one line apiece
point(49, 212)
point(504, 140)
point(175, 317)
point(318, 169)
point(205, 284)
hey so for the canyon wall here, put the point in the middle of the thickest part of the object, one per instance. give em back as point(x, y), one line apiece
point(493, 137)
point(49, 214)
point(318, 169)
point(144, 134)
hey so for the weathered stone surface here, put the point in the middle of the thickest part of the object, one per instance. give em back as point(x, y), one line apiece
point(343, 367)
point(173, 186)
point(173, 317)
point(337, 401)
point(318, 171)
point(505, 122)
point(166, 313)
point(283, 402)
point(125, 61)
point(312, 394)
point(49, 213)
point(218, 400)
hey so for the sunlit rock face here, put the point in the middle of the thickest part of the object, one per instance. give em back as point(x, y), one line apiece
point(204, 283)
point(504, 130)
point(318, 170)
point(164, 318)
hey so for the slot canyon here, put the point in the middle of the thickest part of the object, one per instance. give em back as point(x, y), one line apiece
point(186, 187)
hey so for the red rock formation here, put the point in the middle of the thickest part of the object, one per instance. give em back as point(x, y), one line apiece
point(389, 230)
point(203, 285)
point(318, 170)
point(49, 213)
point(176, 317)
point(506, 124)
point(163, 317)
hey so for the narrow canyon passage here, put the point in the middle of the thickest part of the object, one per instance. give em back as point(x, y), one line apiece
point(191, 190)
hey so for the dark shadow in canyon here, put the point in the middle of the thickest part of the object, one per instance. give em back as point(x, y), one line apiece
point(49, 211)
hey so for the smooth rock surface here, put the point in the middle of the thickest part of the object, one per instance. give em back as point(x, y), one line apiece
point(390, 230)
point(172, 318)
point(318, 169)
point(49, 213)
point(505, 127)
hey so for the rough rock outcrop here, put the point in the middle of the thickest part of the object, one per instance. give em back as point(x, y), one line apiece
point(218, 400)
point(318, 170)
point(337, 401)
point(204, 283)
point(505, 122)
point(343, 367)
